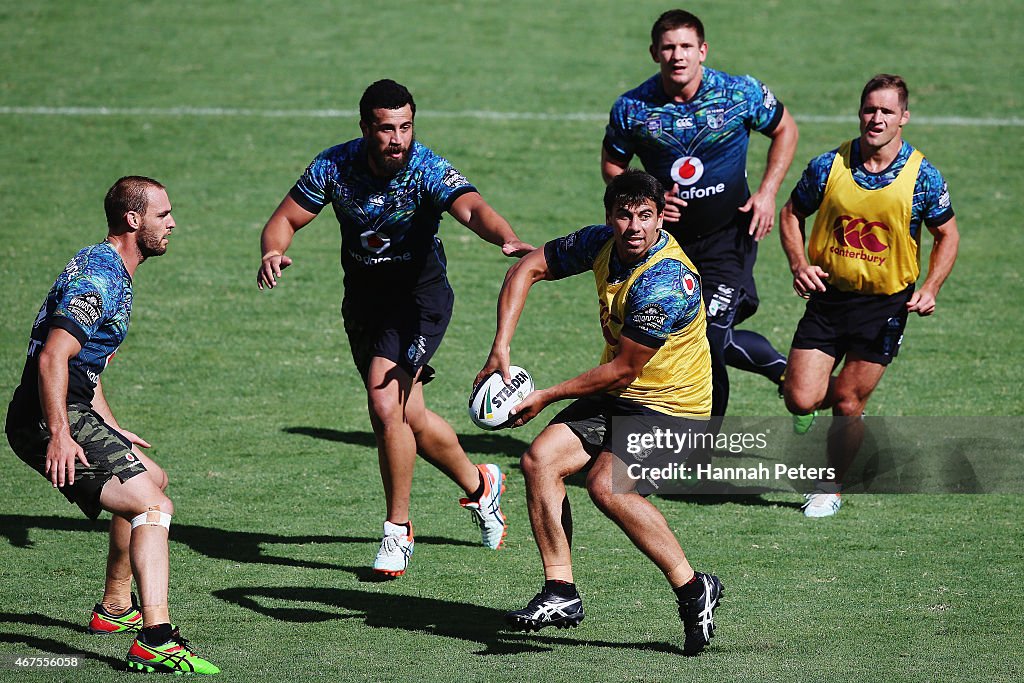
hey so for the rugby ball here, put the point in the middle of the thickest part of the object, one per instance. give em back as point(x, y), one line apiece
point(492, 400)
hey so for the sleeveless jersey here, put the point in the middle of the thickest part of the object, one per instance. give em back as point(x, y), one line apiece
point(677, 380)
point(861, 237)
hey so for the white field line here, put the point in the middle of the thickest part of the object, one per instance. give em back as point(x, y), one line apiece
point(468, 114)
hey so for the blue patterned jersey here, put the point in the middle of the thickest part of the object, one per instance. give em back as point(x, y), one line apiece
point(657, 304)
point(931, 202)
point(388, 226)
point(701, 145)
point(92, 300)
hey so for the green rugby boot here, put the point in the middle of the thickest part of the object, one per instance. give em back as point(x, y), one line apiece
point(103, 622)
point(174, 656)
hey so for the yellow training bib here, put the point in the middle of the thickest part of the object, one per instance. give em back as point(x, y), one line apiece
point(861, 238)
point(677, 380)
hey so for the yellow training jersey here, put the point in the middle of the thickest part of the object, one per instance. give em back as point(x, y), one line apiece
point(861, 237)
point(677, 380)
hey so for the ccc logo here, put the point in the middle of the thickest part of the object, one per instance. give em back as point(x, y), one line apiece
point(860, 233)
point(607, 320)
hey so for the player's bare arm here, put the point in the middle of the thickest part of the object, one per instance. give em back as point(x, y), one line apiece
point(62, 451)
point(287, 219)
point(520, 277)
point(780, 156)
point(615, 374)
point(476, 214)
point(940, 265)
point(806, 278)
point(611, 167)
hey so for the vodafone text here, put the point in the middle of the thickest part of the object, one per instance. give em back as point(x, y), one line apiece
point(377, 260)
point(701, 192)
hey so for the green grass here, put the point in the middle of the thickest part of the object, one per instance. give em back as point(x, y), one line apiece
point(255, 411)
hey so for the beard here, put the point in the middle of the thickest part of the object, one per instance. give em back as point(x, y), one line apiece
point(150, 244)
point(390, 165)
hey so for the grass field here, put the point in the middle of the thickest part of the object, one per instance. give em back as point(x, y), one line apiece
point(255, 411)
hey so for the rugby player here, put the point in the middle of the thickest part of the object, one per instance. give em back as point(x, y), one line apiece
point(690, 126)
point(872, 196)
point(60, 424)
point(388, 193)
point(655, 363)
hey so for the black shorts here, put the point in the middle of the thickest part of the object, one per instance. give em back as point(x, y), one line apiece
point(587, 417)
point(591, 417)
point(725, 262)
point(407, 330)
point(869, 326)
point(109, 454)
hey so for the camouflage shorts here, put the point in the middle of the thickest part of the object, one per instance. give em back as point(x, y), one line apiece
point(109, 455)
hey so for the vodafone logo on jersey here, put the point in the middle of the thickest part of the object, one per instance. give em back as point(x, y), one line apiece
point(689, 284)
point(374, 241)
point(687, 170)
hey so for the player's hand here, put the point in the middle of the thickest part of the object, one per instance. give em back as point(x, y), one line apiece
point(516, 248)
point(761, 206)
point(270, 269)
point(530, 408)
point(134, 438)
point(921, 302)
point(673, 204)
point(61, 454)
point(498, 361)
point(809, 279)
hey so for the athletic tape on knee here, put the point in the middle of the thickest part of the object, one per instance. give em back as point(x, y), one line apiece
point(154, 518)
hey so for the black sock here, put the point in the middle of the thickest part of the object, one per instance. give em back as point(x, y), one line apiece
point(475, 496)
point(693, 588)
point(156, 635)
point(747, 350)
point(563, 589)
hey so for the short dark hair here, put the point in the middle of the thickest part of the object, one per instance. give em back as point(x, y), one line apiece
point(128, 194)
point(384, 94)
point(885, 82)
point(631, 188)
point(673, 19)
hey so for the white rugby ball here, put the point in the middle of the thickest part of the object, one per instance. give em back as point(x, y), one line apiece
point(492, 401)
